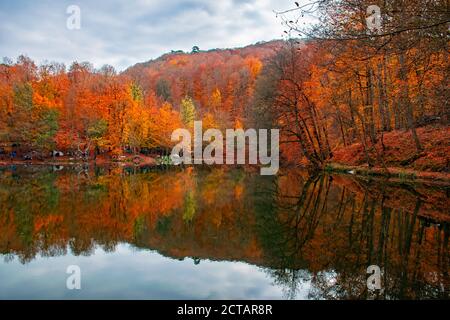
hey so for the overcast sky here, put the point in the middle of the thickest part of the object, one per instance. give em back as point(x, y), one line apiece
point(122, 33)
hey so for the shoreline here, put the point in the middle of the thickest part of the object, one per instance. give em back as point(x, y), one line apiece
point(395, 174)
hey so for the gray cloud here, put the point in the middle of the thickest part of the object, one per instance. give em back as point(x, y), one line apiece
point(122, 33)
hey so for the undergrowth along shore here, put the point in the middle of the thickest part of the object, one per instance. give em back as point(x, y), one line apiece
point(400, 174)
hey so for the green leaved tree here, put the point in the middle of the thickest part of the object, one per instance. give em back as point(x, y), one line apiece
point(188, 111)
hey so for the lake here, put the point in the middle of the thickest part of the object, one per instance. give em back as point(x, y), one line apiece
point(218, 233)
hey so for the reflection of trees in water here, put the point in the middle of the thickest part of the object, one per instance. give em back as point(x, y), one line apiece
point(189, 207)
point(49, 213)
point(286, 222)
point(202, 211)
point(336, 233)
point(19, 206)
point(318, 234)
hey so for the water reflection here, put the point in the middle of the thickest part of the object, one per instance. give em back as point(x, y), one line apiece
point(312, 237)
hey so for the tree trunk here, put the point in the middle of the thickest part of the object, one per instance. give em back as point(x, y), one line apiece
point(407, 103)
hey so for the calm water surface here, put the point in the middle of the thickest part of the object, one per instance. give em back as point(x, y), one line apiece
point(218, 234)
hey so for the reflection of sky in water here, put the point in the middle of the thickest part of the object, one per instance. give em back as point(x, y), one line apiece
point(315, 237)
point(128, 273)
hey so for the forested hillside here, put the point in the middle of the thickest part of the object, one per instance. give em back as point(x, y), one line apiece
point(88, 112)
point(220, 83)
point(341, 94)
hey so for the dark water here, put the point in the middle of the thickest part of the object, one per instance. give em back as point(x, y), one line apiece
point(218, 234)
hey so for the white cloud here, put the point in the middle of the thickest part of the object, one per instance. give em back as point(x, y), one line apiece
point(122, 33)
point(130, 274)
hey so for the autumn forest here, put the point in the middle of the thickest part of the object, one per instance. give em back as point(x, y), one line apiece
point(339, 95)
point(358, 91)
